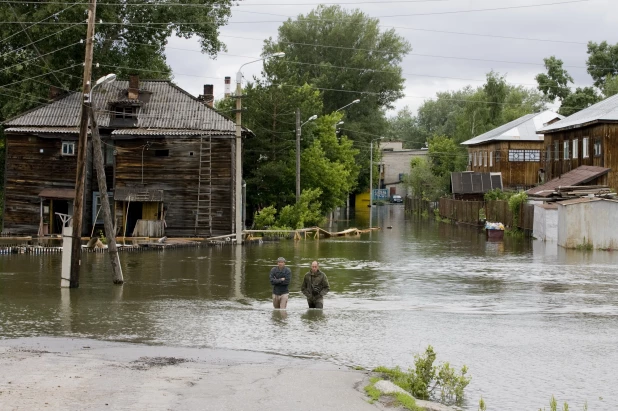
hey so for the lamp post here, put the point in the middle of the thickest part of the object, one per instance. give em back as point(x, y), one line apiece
point(371, 179)
point(238, 148)
point(347, 105)
point(298, 127)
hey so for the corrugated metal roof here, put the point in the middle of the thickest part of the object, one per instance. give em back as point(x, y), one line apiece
point(606, 110)
point(524, 128)
point(169, 107)
point(163, 132)
point(579, 176)
point(60, 130)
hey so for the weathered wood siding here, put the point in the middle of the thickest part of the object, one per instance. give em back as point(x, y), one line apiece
point(178, 175)
point(514, 173)
point(606, 134)
point(28, 172)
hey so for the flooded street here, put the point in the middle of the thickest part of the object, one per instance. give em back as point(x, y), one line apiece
point(528, 319)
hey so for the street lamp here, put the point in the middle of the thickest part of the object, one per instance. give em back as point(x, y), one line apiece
point(298, 127)
point(238, 148)
point(347, 105)
point(371, 178)
point(111, 77)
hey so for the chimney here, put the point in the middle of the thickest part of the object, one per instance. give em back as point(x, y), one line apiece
point(54, 92)
point(228, 86)
point(133, 93)
point(209, 95)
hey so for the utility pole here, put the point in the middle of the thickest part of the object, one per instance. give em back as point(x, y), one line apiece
point(238, 176)
point(82, 150)
point(298, 155)
point(110, 233)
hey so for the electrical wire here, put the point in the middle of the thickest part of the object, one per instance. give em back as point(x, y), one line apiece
point(35, 23)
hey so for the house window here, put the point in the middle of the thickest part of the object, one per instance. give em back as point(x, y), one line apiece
point(525, 155)
point(597, 147)
point(485, 163)
point(97, 213)
point(498, 157)
point(162, 153)
point(585, 153)
point(516, 155)
point(491, 159)
point(556, 150)
point(469, 159)
point(126, 112)
point(401, 176)
point(548, 153)
point(575, 148)
point(566, 150)
point(109, 154)
point(68, 148)
point(474, 164)
point(532, 155)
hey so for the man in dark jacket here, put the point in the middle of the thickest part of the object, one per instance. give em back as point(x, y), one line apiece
point(315, 286)
point(280, 277)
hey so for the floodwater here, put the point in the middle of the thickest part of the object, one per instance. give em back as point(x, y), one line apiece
point(529, 320)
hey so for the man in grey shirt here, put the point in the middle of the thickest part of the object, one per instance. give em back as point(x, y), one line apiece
point(280, 277)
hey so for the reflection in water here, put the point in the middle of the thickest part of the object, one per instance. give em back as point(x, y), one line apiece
point(512, 311)
point(313, 316)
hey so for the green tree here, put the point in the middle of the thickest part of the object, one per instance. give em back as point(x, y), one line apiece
point(346, 55)
point(423, 183)
point(269, 160)
point(446, 156)
point(611, 86)
point(602, 61)
point(579, 100)
point(329, 164)
point(554, 84)
point(404, 127)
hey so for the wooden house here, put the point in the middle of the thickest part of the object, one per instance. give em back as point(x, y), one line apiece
point(514, 149)
point(586, 138)
point(169, 161)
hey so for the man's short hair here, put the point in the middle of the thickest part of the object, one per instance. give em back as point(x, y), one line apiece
point(281, 259)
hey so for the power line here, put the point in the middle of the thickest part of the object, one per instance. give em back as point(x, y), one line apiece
point(41, 56)
point(35, 23)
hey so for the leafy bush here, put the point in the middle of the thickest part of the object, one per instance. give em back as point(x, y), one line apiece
point(265, 217)
point(423, 381)
point(305, 213)
point(515, 203)
point(497, 194)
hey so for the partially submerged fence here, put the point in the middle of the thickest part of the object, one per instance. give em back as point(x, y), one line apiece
point(474, 212)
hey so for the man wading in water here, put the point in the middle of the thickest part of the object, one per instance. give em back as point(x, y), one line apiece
point(315, 286)
point(280, 277)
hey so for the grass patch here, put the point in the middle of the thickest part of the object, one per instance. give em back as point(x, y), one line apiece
point(372, 391)
point(407, 402)
point(404, 400)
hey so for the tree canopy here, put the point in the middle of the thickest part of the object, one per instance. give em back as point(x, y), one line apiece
point(42, 43)
point(602, 65)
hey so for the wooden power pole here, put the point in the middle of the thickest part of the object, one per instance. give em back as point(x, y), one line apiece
point(110, 232)
point(298, 126)
point(82, 150)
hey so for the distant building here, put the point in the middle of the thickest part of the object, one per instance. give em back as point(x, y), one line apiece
point(514, 149)
point(586, 138)
point(395, 165)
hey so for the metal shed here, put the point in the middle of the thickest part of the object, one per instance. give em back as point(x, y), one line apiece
point(588, 223)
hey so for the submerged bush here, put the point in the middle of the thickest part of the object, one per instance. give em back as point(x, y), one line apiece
point(428, 381)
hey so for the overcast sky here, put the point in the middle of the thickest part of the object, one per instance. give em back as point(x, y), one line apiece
point(479, 40)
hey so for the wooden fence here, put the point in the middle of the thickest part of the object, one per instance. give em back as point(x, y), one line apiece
point(469, 212)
